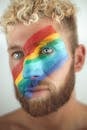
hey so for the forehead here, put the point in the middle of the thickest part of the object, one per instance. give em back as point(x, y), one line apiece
point(19, 34)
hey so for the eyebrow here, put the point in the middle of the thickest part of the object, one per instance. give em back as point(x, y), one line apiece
point(13, 47)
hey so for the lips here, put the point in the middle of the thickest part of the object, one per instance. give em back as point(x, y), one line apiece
point(30, 91)
point(36, 86)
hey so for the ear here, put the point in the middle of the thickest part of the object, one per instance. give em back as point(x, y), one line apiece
point(79, 58)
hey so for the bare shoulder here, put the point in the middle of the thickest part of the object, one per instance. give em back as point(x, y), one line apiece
point(10, 116)
point(11, 120)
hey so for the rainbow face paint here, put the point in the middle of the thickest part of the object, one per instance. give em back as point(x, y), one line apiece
point(44, 53)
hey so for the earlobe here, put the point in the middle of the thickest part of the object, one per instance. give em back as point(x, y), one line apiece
point(79, 58)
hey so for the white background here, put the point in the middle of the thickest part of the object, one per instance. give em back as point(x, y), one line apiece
point(7, 97)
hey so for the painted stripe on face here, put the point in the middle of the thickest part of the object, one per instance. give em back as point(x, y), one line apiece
point(31, 45)
point(36, 52)
point(44, 58)
point(46, 41)
point(35, 40)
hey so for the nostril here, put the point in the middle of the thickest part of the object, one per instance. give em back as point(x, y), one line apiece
point(34, 77)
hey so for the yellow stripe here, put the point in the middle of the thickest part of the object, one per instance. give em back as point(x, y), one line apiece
point(18, 79)
point(42, 43)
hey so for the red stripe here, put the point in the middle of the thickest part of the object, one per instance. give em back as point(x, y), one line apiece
point(30, 46)
point(17, 69)
point(34, 40)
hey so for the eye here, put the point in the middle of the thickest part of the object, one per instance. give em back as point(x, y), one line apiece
point(46, 50)
point(18, 55)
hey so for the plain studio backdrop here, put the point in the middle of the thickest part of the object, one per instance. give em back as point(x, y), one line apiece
point(8, 101)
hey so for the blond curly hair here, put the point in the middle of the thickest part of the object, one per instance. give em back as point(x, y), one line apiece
point(30, 11)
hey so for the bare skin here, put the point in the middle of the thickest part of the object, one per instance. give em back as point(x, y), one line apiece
point(72, 116)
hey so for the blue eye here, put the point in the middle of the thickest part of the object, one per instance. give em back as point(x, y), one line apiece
point(46, 50)
point(18, 55)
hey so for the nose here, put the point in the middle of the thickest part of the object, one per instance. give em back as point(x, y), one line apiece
point(32, 70)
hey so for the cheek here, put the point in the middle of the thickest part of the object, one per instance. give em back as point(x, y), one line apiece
point(13, 63)
point(62, 73)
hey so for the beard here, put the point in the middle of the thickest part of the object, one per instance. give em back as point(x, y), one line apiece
point(41, 106)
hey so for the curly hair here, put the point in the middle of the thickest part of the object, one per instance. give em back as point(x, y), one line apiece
point(30, 11)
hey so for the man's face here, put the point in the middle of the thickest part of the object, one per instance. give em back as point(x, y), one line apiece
point(42, 66)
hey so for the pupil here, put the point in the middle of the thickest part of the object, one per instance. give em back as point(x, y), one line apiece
point(17, 55)
point(46, 50)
